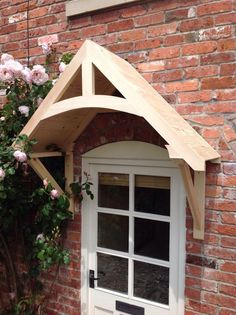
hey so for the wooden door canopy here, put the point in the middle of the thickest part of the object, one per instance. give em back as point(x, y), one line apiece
point(88, 86)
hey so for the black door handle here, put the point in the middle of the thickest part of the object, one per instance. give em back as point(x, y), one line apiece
point(92, 279)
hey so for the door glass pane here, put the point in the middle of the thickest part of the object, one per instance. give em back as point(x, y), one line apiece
point(151, 238)
point(151, 282)
point(113, 191)
point(113, 272)
point(113, 231)
point(152, 194)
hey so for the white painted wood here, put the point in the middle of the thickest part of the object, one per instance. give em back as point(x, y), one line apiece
point(76, 7)
point(104, 299)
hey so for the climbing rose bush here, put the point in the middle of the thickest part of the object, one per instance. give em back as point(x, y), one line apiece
point(33, 214)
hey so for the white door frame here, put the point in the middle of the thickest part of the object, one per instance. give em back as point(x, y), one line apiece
point(133, 153)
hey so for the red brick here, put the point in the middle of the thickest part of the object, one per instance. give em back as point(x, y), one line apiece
point(218, 83)
point(226, 95)
point(229, 133)
point(196, 24)
point(213, 8)
point(197, 96)
point(105, 17)
point(151, 66)
point(228, 266)
point(133, 35)
point(199, 48)
point(56, 8)
point(164, 53)
point(190, 85)
point(189, 109)
point(182, 62)
point(147, 44)
point(172, 75)
point(227, 312)
point(151, 19)
point(217, 58)
point(93, 31)
point(120, 25)
point(173, 40)
point(193, 294)
point(228, 218)
point(164, 29)
point(227, 44)
point(226, 18)
point(79, 22)
point(228, 69)
point(38, 12)
point(133, 11)
point(201, 71)
point(202, 308)
point(121, 47)
point(229, 230)
point(221, 107)
point(229, 168)
point(211, 133)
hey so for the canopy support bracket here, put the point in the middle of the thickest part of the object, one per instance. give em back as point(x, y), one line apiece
point(196, 197)
point(43, 173)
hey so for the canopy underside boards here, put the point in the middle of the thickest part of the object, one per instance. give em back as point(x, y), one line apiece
point(86, 88)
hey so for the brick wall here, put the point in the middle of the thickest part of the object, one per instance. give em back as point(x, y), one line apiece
point(186, 50)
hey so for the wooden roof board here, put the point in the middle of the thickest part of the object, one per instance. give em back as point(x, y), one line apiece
point(142, 99)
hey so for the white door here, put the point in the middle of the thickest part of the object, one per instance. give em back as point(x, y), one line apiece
point(131, 231)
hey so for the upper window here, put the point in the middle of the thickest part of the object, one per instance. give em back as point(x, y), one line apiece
point(76, 7)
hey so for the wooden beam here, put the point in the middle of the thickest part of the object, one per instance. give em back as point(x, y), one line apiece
point(43, 173)
point(195, 196)
point(88, 78)
point(35, 155)
point(69, 175)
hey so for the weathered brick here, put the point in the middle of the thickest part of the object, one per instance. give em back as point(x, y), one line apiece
point(150, 19)
point(172, 75)
point(132, 35)
point(173, 40)
point(147, 44)
point(202, 71)
point(164, 53)
point(120, 25)
point(199, 48)
point(182, 62)
point(175, 15)
point(164, 29)
point(217, 7)
point(216, 33)
point(196, 24)
point(188, 85)
point(218, 83)
point(227, 44)
point(93, 31)
point(151, 66)
point(197, 96)
point(226, 18)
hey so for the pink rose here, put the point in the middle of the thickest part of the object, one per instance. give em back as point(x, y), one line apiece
point(24, 110)
point(2, 174)
point(6, 57)
point(20, 156)
point(14, 66)
point(62, 67)
point(26, 75)
point(54, 194)
point(39, 75)
point(2, 118)
point(6, 74)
